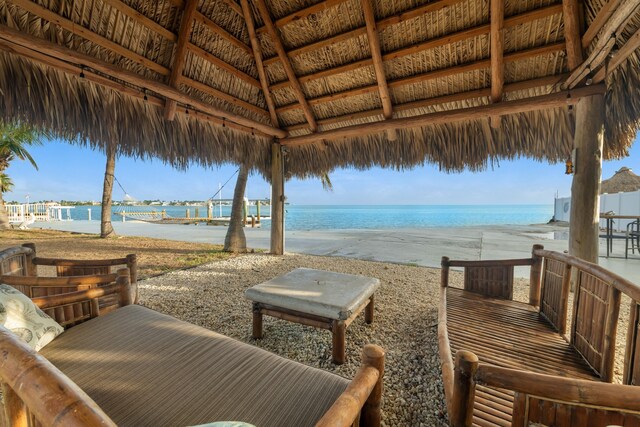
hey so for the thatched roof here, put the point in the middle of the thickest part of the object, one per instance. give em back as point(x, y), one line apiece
point(624, 180)
point(103, 71)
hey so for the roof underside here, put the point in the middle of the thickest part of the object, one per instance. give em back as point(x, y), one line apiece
point(104, 71)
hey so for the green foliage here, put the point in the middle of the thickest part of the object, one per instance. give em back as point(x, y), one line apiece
point(6, 184)
point(14, 137)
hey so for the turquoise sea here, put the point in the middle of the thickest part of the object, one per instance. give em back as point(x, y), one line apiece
point(306, 217)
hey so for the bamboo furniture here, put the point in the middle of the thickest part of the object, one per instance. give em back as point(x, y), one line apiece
point(23, 261)
point(38, 390)
point(317, 298)
point(541, 363)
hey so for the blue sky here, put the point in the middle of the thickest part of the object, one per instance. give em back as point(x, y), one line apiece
point(74, 173)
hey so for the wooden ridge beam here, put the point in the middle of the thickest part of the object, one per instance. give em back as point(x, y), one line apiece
point(282, 54)
point(378, 66)
point(180, 54)
point(113, 71)
point(444, 99)
point(257, 54)
point(554, 100)
point(571, 17)
point(79, 30)
point(497, 55)
point(430, 75)
point(74, 70)
point(428, 44)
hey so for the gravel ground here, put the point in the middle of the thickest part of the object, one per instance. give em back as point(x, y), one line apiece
point(405, 323)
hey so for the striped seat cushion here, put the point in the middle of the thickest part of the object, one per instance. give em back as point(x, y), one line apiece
point(147, 369)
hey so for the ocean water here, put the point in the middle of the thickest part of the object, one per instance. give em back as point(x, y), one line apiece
point(325, 217)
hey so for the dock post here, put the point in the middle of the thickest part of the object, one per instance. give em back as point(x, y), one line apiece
point(245, 210)
point(89, 213)
point(253, 221)
point(197, 215)
point(188, 213)
point(164, 213)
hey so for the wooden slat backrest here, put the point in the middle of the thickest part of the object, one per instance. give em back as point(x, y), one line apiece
point(594, 322)
point(17, 261)
point(544, 400)
point(556, 277)
point(632, 354)
point(492, 281)
point(531, 410)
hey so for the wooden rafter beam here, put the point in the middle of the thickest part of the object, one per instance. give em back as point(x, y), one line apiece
point(231, 3)
point(302, 14)
point(91, 76)
point(438, 100)
point(221, 32)
point(497, 55)
point(431, 75)
point(554, 100)
point(180, 54)
point(198, 51)
point(112, 71)
point(282, 54)
point(598, 22)
point(621, 55)
point(571, 17)
point(428, 44)
point(378, 66)
point(257, 54)
point(606, 42)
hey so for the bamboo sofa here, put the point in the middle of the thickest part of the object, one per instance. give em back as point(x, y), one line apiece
point(136, 367)
point(541, 363)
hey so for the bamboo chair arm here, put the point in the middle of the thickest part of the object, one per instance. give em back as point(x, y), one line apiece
point(66, 281)
point(47, 393)
point(121, 287)
point(491, 262)
point(362, 398)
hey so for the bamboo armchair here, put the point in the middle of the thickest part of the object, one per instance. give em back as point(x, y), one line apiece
point(540, 363)
point(23, 261)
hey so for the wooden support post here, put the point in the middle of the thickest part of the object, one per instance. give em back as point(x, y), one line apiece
point(277, 200)
point(464, 389)
point(372, 355)
point(187, 213)
point(497, 56)
point(124, 280)
point(444, 273)
point(338, 328)
point(585, 189)
point(132, 265)
point(257, 321)
point(535, 276)
point(197, 215)
point(258, 211)
point(368, 313)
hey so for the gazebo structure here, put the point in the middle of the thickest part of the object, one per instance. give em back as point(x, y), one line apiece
point(624, 180)
point(297, 88)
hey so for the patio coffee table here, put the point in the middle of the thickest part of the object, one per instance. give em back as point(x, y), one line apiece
point(318, 298)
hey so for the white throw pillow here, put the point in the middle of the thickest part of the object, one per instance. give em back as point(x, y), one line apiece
point(21, 316)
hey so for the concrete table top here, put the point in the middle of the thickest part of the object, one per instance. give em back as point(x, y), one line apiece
point(322, 293)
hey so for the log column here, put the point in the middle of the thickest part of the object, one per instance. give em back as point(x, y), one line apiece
point(585, 189)
point(277, 200)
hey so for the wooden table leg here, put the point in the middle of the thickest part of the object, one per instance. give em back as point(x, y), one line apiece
point(368, 312)
point(338, 329)
point(257, 321)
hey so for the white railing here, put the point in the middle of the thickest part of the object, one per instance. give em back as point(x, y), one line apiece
point(44, 212)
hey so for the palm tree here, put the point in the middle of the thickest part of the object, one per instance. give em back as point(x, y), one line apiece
point(106, 228)
point(14, 137)
point(235, 240)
